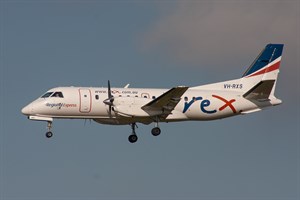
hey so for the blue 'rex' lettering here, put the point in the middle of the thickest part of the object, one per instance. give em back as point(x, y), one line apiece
point(203, 104)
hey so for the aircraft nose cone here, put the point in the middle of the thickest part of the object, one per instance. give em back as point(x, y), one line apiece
point(26, 110)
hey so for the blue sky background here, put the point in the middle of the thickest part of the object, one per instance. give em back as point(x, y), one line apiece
point(157, 44)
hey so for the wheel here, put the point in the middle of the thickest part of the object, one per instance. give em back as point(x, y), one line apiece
point(49, 134)
point(132, 138)
point(156, 131)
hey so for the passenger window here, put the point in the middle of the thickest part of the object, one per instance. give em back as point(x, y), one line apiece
point(58, 94)
point(97, 97)
point(48, 94)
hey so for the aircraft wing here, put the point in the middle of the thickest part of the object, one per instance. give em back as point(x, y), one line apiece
point(163, 105)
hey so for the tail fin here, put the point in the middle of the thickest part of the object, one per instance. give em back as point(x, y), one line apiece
point(267, 61)
point(259, 81)
point(260, 78)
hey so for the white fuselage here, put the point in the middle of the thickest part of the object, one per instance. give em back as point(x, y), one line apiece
point(87, 103)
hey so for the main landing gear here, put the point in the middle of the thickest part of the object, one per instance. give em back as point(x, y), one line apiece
point(133, 137)
point(156, 130)
point(49, 134)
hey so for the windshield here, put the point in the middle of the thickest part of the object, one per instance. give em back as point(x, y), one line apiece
point(58, 94)
point(47, 95)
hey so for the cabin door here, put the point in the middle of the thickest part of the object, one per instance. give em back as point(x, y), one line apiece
point(85, 104)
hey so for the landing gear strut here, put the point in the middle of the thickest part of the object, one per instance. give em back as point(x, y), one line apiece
point(133, 137)
point(49, 134)
point(156, 130)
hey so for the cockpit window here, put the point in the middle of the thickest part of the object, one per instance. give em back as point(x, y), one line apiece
point(48, 94)
point(57, 94)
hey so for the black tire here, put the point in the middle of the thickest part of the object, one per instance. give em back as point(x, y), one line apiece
point(156, 131)
point(132, 138)
point(49, 134)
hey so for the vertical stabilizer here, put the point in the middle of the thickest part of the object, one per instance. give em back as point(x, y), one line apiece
point(267, 61)
point(260, 78)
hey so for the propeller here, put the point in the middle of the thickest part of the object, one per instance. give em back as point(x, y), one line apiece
point(85, 121)
point(109, 101)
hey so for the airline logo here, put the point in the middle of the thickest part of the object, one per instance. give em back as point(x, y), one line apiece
point(60, 105)
point(226, 103)
point(204, 103)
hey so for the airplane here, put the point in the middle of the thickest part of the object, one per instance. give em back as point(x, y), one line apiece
point(253, 92)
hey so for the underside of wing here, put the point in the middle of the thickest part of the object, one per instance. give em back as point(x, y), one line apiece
point(163, 105)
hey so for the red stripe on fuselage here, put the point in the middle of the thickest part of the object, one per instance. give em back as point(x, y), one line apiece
point(268, 69)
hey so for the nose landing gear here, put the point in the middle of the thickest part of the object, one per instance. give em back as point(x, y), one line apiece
point(49, 134)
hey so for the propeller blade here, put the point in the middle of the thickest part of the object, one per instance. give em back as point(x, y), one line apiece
point(89, 120)
point(109, 90)
point(109, 101)
point(109, 111)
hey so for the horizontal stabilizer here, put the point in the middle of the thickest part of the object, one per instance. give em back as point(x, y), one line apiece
point(260, 91)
